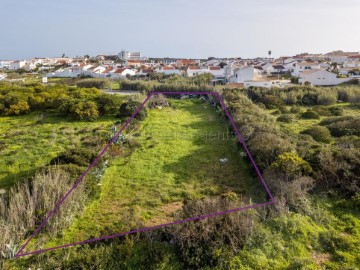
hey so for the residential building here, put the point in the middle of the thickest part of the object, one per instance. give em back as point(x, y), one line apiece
point(122, 73)
point(17, 65)
point(216, 71)
point(320, 77)
point(244, 74)
point(5, 64)
point(168, 71)
point(266, 83)
point(186, 63)
point(303, 66)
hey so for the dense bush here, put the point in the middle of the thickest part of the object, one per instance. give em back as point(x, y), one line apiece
point(108, 104)
point(310, 114)
point(319, 133)
point(93, 83)
point(336, 111)
point(199, 241)
point(338, 169)
point(79, 109)
point(271, 100)
point(343, 126)
point(327, 99)
point(127, 109)
point(322, 110)
point(158, 101)
point(286, 118)
point(25, 207)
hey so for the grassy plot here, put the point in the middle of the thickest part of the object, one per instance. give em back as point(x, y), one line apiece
point(177, 158)
point(29, 142)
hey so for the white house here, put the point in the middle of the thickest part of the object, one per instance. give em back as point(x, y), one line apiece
point(352, 62)
point(17, 65)
point(216, 71)
point(5, 64)
point(320, 77)
point(122, 73)
point(249, 73)
point(301, 67)
point(266, 83)
point(168, 71)
point(193, 71)
point(65, 73)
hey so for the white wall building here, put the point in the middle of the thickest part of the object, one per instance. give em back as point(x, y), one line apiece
point(246, 74)
point(320, 77)
point(216, 71)
point(125, 55)
point(168, 71)
point(17, 65)
point(303, 66)
point(193, 71)
point(121, 73)
point(266, 83)
point(5, 64)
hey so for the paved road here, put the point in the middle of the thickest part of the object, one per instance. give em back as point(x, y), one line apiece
point(121, 92)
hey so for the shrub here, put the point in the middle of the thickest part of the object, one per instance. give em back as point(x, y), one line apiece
point(198, 241)
point(292, 165)
point(158, 101)
point(343, 126)
point(336, 111)
point(284, 109)
point(309, 99)
point(127, 109)
point(327, 99)
point(319, 133)
point(295, 110)
point(90, 83)
point(286, 118)
point(310, 114)
point(108, 104)
point(21, 107)
point(82, 110)
point(26, 204)
point(322, 110)
point(78, 156)
point(270, 100)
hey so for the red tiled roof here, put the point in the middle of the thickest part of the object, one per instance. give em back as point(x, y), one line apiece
point(186, 61)
point(120, 70)
point(215, 68)
point(168, 68)
point(194, 68)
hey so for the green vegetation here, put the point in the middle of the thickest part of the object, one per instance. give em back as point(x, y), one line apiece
point(305, 140)
point(175, 158)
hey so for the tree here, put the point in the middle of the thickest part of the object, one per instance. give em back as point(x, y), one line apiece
point(269, 53)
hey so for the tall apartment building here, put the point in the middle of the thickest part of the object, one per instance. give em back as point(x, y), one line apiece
point(125, 55)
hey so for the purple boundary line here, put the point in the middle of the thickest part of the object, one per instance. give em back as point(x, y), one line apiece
point(52, 212)
point(148, 228)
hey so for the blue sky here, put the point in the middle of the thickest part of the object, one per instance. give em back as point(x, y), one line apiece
point(184, 28)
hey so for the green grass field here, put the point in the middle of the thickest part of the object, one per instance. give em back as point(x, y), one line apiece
point(29, 142)
point(177, 158)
